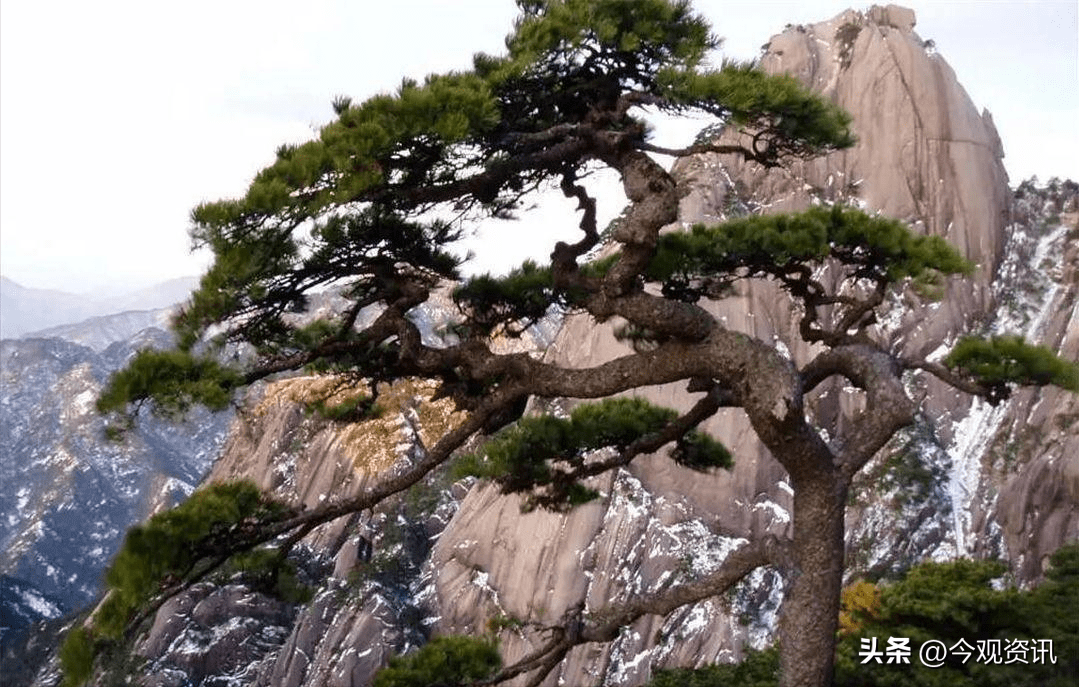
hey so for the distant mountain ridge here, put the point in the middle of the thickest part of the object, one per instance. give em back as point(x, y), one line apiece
point(25, 311)
point(101, 332)
point(67, 494)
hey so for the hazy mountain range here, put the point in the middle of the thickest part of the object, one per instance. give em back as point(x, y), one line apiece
point(26, 310)
point(66, 495)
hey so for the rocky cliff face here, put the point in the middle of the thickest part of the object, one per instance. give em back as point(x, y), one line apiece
point(1024, 457)
point(967, 479)
point(370, 574)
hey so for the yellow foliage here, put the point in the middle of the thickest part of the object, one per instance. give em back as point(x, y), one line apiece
point(370, 445)
point(860, 602)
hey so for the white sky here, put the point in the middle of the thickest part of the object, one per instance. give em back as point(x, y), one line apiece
point(117, 117)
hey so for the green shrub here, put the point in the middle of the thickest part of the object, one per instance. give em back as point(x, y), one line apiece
point(355, 409)
point(77, 657)
point(211, 524)
point(757, 669)
point(172, 542)
point(444, 661)
point(948, 602)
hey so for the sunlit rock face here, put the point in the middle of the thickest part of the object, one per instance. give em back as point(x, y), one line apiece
point(924, 153)
point(459, 557)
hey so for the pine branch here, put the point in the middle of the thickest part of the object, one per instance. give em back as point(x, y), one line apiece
point(604, 624)
point(888, 408)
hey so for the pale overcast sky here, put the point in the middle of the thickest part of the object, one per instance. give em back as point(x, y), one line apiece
point(117, 117)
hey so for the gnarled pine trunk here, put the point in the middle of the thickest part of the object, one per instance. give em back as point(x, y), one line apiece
point(810, 613)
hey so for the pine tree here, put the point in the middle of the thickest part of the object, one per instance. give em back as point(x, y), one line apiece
point(958, 603)
point(372, 204)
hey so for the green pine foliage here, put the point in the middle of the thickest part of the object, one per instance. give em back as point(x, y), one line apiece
point(583, 52)
point(449, 661)
point(954, 599)
point(756, 669)
point(172, 543)
point(1051, 614)
point(76, 656)
point(797, 122)
point(699, 451)
point(263, 275)
point(779, 246)
point(650, 32)
point(173, 379)
point(214, 521)
point(958, 601)
point(657, 48)
point(519, 298)
point(392, 139)
point(1001, 361)
point(549, 452)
